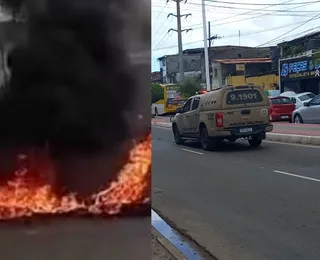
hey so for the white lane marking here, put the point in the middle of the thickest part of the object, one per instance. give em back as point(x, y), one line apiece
point(297, 176)
point(191, 151)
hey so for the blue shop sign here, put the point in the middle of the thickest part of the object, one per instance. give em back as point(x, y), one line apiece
point(302, 68)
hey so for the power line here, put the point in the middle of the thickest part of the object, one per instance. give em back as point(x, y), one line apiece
point(248, 18)
point(153, 42)
point(170, 48)
point(160, 43)
point(301, 34)
point(197, 28)
point(253, 32)
point(260, 4)
point(250, 33)
point(160, 12)
point(250, 12)
point(241, 8)
point(279, 13)
point(309, 20)
point(282, 12)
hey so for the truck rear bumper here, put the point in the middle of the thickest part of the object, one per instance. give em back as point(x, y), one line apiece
point(243, 132)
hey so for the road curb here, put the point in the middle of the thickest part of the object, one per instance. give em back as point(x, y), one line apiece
point(167, 244)
point(278, 137)
point(296, 139)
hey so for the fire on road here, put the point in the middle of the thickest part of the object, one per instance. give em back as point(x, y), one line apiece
point(26, 195)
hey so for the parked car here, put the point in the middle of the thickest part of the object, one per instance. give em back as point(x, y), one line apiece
point(281, 108)
point(288, 94)
point(309, 113)
point(299, 98)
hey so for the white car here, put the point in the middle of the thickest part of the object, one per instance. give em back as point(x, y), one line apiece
point(300, 98)
point(288, 94)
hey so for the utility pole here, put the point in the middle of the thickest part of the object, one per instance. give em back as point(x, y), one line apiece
point(205, 39)
point(239, 38)
point(209, 31)
point(213, 37)
point(179, 31)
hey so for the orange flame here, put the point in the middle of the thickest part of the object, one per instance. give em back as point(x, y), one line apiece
point(23, 197)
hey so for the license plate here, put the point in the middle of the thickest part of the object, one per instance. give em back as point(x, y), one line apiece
point(246, 130)
point(284, 117)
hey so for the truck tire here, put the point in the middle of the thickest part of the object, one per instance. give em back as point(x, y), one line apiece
point(255, 142)
point(207, 143)
point(177, 137)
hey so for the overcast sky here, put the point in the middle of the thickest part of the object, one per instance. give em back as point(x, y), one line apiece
point(263, 23)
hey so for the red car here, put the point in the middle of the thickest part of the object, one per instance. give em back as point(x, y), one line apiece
point(281, 108)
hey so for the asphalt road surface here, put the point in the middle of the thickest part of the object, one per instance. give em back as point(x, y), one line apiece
point(240, 203)
point(77, 239)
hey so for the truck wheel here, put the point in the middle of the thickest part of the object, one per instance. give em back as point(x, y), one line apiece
point(255, 142)
point(177, 137)
point(207, 143)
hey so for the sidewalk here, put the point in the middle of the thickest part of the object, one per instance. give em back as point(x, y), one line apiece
point(297, 129)
point(159, 252)
point(282, 132)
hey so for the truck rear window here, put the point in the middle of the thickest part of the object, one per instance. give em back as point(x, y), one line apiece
point(244, 96)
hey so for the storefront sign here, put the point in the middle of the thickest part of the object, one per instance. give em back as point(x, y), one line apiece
point(306, 67)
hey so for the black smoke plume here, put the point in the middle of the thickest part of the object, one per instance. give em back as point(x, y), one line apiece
point(71, 79)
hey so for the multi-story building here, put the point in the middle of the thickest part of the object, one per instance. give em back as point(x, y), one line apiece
point(169, 67)
point(224, 68)
point(194, 63)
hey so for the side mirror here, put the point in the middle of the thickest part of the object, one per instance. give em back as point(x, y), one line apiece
point(306, 104)
point(179, 110)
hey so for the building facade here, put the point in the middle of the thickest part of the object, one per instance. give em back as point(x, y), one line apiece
point(156, 77)
point(194, 63)
point(299, 64)
point(300, 74)
point(223, 68)
point(169, 67)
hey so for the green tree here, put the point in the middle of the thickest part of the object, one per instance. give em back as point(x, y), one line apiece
point(189, 87)
point(156, 92)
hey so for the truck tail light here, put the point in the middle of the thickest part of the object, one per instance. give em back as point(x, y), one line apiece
point(270, 114)
point(219, 119)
